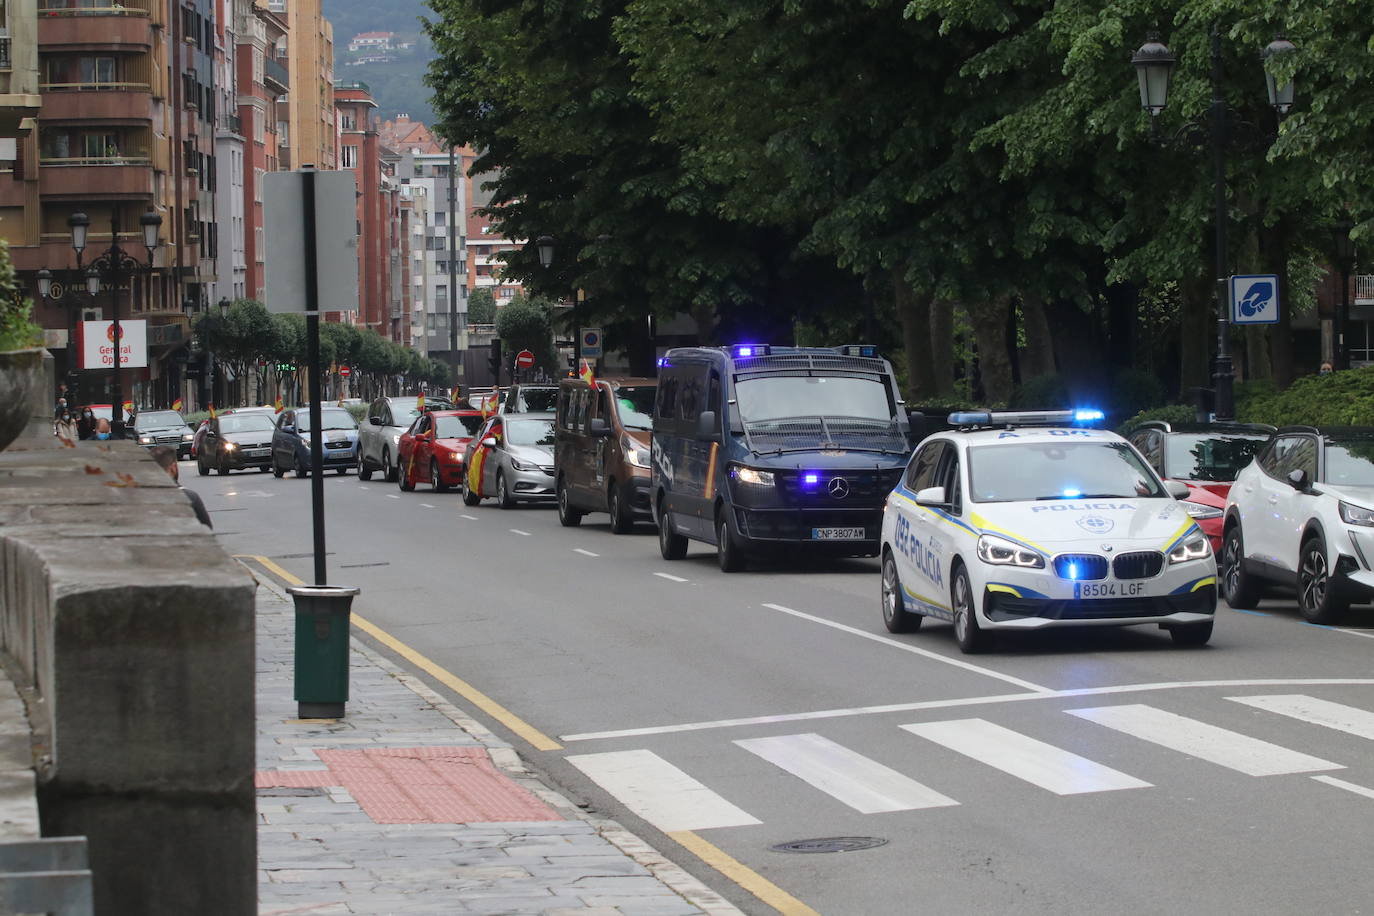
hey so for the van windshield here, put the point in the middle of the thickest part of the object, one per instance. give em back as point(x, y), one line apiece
point(782, 396)
point(636, 406)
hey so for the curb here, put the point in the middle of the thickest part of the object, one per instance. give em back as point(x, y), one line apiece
point(507, 759)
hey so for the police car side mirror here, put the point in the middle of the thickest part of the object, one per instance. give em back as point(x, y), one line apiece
point(931, 496)
point(707, 430)
point(1177, 489)
point(1298, 478)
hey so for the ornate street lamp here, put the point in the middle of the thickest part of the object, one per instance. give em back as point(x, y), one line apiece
point(1154, 68)
point(1280, 94)
point(92, 280)
point(545, 245)
point(79, 223)
point(44, 282)
point(1344, 247)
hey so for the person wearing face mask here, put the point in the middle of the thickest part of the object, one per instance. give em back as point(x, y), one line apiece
point(65, 427)
point(85, 425)
point(102, 428)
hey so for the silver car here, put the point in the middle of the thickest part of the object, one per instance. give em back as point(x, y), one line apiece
point(514, 461)
point(380, 434)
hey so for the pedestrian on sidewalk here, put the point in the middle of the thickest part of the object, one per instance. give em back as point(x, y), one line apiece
point(102, 429)
point(65, 427)
point(85, 426)
point(166, 457)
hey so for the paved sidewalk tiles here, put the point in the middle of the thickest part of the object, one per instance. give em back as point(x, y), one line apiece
point(407, 805)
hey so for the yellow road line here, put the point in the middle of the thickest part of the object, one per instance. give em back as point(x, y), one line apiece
point(510, 720)
point(741, 874)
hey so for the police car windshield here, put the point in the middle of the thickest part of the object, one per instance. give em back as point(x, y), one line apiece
point(1016, 471)
point(1350, 462)
point(777, 397)
point(529, 432)
point(1198, 456)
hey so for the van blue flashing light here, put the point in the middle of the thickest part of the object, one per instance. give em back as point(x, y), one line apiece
point(1088, 415)
point(745, 351)
point(859, 350)
point(662, 361)
point(810, 479)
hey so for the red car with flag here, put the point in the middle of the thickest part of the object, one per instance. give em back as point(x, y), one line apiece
point(431, 450)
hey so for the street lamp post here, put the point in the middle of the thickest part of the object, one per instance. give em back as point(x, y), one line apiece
point(545, 245)
point(66, 295)
point(1345, 263)
point(1154, 65)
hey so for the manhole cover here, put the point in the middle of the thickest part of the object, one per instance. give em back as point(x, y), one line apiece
point(831, 844)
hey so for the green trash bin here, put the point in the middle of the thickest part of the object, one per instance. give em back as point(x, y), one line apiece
point(322, 631)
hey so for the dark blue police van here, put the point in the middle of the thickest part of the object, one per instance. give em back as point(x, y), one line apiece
point(759, 448)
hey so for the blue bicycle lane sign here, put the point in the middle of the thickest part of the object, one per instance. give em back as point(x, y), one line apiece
point(1254, 299)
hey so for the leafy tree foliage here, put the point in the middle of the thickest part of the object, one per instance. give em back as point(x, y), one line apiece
point(481, 306)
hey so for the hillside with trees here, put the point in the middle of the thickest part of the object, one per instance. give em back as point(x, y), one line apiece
point(397, 84)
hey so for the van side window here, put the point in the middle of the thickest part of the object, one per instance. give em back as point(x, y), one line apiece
point(564, 399)
point(667, 397)
point(692, 395)
point(579, 422)
point(713, 393)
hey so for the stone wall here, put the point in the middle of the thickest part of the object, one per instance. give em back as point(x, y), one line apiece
point(131, 632)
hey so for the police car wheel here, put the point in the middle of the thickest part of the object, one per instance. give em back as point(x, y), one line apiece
point(896, 617)
point(1194, 634)
point(671, 545)
point(967, 633)
point(728, 553)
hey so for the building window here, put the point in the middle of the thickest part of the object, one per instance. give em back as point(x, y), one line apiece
point(439, 217)
point(350, 157)
point(347, 122)
point(440, 299)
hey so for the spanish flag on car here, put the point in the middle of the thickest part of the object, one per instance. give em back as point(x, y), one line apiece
point(277, 404)
point(212, 412)
point(490, 403)
point(586, 374)
point(128, 406)
point(176, 405)
point(420, 402)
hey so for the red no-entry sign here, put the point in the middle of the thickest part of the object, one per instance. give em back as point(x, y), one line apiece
point(345, 372)
point(524, 359)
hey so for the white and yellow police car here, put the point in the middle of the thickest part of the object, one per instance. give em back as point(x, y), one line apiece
point(1024, 520)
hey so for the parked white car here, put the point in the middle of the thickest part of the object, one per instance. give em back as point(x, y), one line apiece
point(1302, 514)
point(1022, 521)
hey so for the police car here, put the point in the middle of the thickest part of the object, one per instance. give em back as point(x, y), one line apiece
point(1026, 520)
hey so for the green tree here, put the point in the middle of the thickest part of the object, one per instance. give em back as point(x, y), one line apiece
point(527, 324)
point(481, 306)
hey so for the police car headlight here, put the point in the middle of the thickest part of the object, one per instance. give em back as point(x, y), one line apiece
point(1001, 552)
point(1355, 515)
point(1195, 548)
point(754, 476)
point(1198, 510)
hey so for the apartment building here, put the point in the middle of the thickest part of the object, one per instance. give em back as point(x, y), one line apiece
point(124, 111)
point(311, 126)
point(485, 242)
point(415, 216)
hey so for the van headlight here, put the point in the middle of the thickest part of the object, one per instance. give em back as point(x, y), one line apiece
point(1356, 515)
point(637, 456)
point(1196, 547)
point(753, 476)
point(1001, 552)
point(1198, 510)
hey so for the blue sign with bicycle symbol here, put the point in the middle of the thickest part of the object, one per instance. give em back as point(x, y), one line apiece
point(1255, 299)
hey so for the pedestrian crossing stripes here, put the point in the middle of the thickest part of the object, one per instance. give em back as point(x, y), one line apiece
point(865, 785)
point(1205, 742)
point(673, 800)
point(659, 792)
point(1358, 722)
point(1061, 772)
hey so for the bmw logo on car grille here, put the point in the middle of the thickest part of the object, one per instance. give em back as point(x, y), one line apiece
point(838, 488)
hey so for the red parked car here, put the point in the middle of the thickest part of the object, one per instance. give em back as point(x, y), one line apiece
point(1205, 456)
point(432, 448)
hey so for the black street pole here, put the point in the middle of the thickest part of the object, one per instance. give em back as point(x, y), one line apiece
point(453, 262)
point(1342, 360)
point(117, 398)
point(577, 332)
point(312, 356)
point(1223, 376)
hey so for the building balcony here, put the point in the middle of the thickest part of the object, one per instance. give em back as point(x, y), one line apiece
point(1364, 289)
point(126, 27)
point(275, 75)
point(108, 103)
point(96, 178)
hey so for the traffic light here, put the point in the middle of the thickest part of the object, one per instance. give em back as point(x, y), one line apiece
point(494, 361)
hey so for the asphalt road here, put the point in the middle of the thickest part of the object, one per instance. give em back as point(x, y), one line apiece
point(1098, 771)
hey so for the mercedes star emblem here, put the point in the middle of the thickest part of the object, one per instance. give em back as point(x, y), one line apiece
point(838, 488)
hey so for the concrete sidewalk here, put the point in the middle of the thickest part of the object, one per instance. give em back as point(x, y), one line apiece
point(408, 805)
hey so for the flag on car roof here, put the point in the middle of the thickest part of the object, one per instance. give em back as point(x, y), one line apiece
point(212, 412)
point(587, 375)
point(128, 406)
point(490, 403)
point(277, 405)
point(420, 401)
point(176, 405)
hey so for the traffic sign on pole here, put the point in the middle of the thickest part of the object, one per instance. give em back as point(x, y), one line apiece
point(345, 372)
point(591, 343)
point(1254, 299)
point(524, 359)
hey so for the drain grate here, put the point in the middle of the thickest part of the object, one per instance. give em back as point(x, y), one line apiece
point(289, 791)
point(830, 844)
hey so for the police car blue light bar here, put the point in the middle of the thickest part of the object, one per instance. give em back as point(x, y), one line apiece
point(1080, 416)
point(744, 351)
point(858, 350)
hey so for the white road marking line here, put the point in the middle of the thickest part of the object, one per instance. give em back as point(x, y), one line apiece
point(392, 496)
point(1061, 772)
point(1348, 786)
point(1365, 633)
point(1349, 719)
point(585, 553)
point(231, 492)
point(915, 650)
point(863, 784)
point(521, 533)
point(1206, 742)
point(659, 792)
point(471, 518)
point(360, 486)
point(670, 578)
point(423, 505)
point(964, 701)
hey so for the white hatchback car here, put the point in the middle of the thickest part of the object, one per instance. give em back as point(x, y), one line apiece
point(1302, 514)
point(1022, 520)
